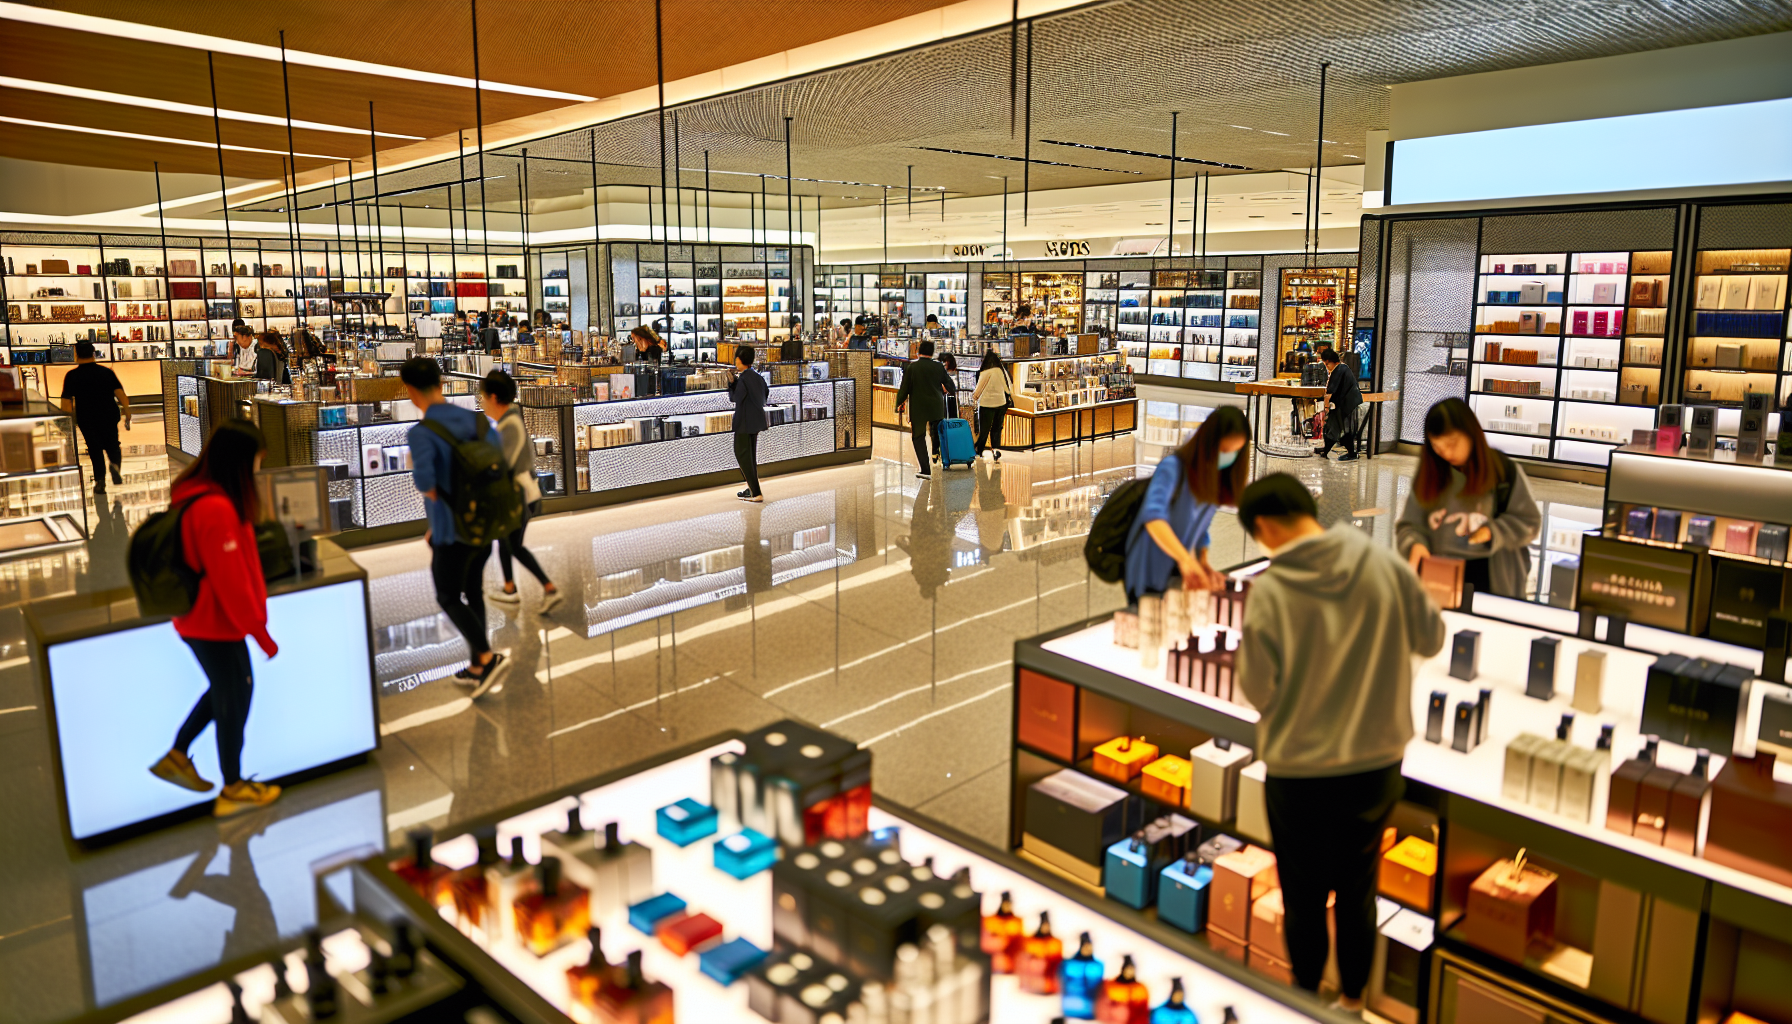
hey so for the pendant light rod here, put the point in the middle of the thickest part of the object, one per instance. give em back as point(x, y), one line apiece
point(1013, 66)
point(162, 229)
point(1026, 187)
point(485, 238)
point(223, 186)
point(1170, 228)
point(789, 236)
point(709, 219)
point(659, 57)
point(597, 223)
point(677, 178)
point(379, 219)
point(1318, 161)
point(292, 194)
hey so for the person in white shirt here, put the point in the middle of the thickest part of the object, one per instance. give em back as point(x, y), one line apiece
point(244, 337)
point(994, 394)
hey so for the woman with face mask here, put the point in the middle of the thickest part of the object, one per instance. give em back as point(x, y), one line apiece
point(1169, 536)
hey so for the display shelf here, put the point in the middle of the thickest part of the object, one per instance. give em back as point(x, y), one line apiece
point(1316, 305)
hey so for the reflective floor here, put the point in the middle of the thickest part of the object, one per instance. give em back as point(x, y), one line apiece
point(863, 600)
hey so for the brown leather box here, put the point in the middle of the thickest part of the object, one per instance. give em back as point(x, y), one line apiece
point(1226, 943)
point(1511, 906)
point(1686, 808)
point(1047, 715)
point(1442, 579)
point(1751, 820)
point(1239, 878)
point(1620, 806)
point(1266, 926)
point(1652, 795)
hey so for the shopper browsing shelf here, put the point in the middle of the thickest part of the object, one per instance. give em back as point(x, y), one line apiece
point(490, 338)
point(1344, 398)
point(497, 394)
point(1330, 632)
point(246, 354)
point(271, 360)
point(1168, 537)
point(95, 397)
point(648, 348)
point(749, 392)
point(218, 507)
point(926, 382)
point(1469, 501)
point(458, 568)
point(861, 335)
point(993, 395)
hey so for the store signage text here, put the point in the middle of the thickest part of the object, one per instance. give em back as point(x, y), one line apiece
point(967, 251)
point(1068, 247)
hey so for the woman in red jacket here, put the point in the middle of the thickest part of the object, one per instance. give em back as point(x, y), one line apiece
point(217, 535)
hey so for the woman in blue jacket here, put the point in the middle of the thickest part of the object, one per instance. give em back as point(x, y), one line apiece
point(1169, 536)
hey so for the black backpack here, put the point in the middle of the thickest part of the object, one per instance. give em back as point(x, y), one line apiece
point(482, 494)
point(1105, 550)
point(157, 564)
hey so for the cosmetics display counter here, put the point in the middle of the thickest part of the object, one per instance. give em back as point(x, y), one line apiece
point(43, 493)
point(853, 912)
point(314, 705)
point(1626, 862)
point(1057, 399)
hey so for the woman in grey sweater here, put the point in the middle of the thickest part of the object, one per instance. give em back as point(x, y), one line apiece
point(498, 397)
point(1469, 501)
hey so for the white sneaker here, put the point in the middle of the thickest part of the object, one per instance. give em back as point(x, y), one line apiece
point(513, 598)
point(550, 601)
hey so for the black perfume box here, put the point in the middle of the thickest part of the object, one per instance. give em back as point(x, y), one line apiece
point(1743, 594)
point(1435, 712)
point(1540, 680)
point(1465, 655)
point(1078, 814)
point(1693, 702)
point(1463, 737)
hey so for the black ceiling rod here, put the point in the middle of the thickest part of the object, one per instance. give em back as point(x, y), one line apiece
point(466, 219)
point(765, 215)
point(709, 219)
point(1026, 187)
point(597, 223)
point(1005, 222)
point(885, 209)
point(485, 238)
point(162, 229)
point(1013, 67)
point(911, 192)
point(1170, 233)
point(223, 186)
point(789, 237)
point(1207, 180)
point(375, 216)
point(292, 195)
point(659, 57)
point(677, 178)
point(522, 212)
point(1318, 164)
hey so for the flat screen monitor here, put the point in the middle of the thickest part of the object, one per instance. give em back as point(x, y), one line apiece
point(119, 698)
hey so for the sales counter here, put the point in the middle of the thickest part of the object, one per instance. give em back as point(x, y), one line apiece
point(118, 684)
point(1528, 725)
point(1057, 400)
point(710, 914)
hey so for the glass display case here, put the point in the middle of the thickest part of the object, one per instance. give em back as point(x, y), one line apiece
point(697, 296)
point(43, 485)
point(1317, 307)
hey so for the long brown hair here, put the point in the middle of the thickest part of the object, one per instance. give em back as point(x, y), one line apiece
point(1200, 457)
point(271, 338)
point(228, 460)
point(1483, 470)
point(647, 334)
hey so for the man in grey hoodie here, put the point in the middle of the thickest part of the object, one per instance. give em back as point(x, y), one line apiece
point(1326, 658)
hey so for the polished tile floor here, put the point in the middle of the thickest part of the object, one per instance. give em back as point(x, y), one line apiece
point(860, 599)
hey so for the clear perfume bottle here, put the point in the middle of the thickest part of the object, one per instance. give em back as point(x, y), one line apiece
point(1175, 1009)
point(624, 872)
point(470, 891)
point(1082, 980)
point(557, 913)
point(583, 981)
point(1041, 959)
point(1123, 998)
point(632, 999)
point(1003, 933)
point(421, 872)
point(506, 880)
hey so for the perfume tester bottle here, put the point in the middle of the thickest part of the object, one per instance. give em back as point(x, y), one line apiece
point(1041, 958)
point(632, 999)
point(557, 913)
point(1003, 936)
point(583, 981)
point(1175, 1009)
point(1082, 980)
point(1123, 998)
point(421, 872)
point(506, 880)
point(470, 890)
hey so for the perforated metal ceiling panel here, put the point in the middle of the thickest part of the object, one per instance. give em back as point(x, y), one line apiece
point(1746, 226)
point(1579, 231)
point(1242, 74)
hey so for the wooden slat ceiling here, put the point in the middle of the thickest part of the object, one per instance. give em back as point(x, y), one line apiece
point(589, 47)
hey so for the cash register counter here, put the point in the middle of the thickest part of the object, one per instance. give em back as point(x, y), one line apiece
point(1643, 913)
point(118, 685)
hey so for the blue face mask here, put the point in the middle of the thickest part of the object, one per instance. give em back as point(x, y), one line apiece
point(1228, 458)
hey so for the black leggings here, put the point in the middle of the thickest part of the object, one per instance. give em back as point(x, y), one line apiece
point(225, 704)
point(459, 573)
point(746, 452)
point(512, 547)
point(989, 427)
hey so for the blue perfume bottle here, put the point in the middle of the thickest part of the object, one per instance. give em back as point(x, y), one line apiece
point(1082, 980)
point(1174, 1010)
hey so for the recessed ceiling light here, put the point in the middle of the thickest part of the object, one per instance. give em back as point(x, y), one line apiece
point(1255, 216)
point(123, 99)
point(236, 47)
point(159, 138)
point(1268, 132)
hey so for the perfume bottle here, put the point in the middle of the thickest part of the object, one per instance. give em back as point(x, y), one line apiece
point(1003, 934)
point(1123, 998)
point(421, 872)
point(583, 981)
point(557, 913)
point(470, 890)
point(632, 999)
point(623, 870)
point(1082, 978)
point(1174, 1010)
point(1041, 957)
point(505, 881)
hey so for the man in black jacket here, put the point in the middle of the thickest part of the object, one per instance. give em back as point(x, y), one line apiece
point(749, 392)
point(1344, 397)
point(925, 381)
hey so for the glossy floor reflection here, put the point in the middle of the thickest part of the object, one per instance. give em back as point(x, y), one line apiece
point(860, 599)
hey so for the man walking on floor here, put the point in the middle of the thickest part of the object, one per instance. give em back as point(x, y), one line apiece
point(1329, 634)
point(925, 381)
point(457, 568)
point(93, 394)
point(1345, 397)
point(749, 392)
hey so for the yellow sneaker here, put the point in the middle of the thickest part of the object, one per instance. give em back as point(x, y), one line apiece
point(177, 768)
point(246, 795)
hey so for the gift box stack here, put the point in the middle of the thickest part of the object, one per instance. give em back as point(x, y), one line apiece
point(794, 784)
